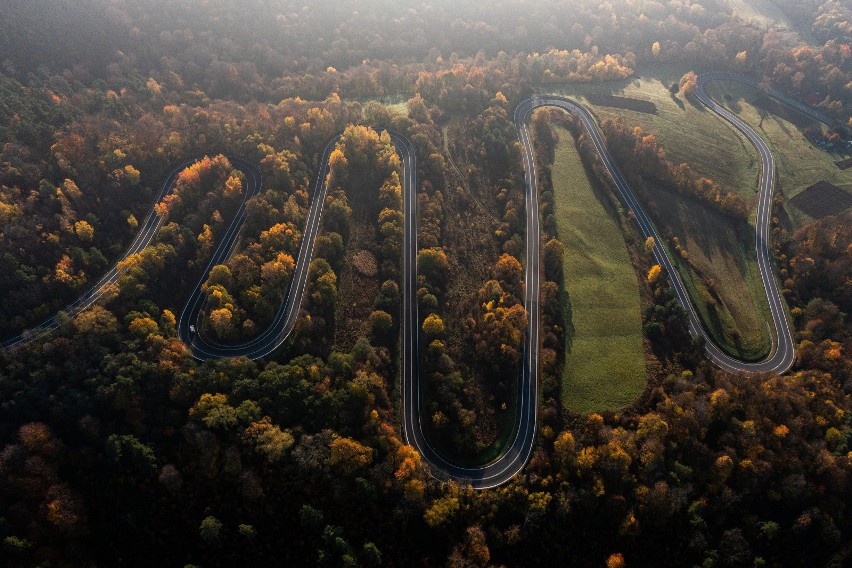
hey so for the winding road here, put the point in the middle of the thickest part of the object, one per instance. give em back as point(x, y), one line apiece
point(782, 353)
point(189, 322)
point(521, 442)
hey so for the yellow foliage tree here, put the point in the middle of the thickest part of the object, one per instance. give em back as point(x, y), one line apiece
point(84, 231)
point(276, 273)
point(280, 237)
point(233, 187)
point(268, 439)
point(143, 327)
point(688, 83)
point(65, 272)
point(132, 175)
point(337, 166)
point(441, 511)
point(96, 320)
point(615, 561)
point(433, 325)
point(222, 322)
point(508, 272)
point(348, 456)
point(70, 189)
point(564, 448)
point(654, 273)
point(409, 460)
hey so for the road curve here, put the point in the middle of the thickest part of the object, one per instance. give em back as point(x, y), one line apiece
point(521, 442)
point(150, 227)
point(202, 347)
point(782, 354)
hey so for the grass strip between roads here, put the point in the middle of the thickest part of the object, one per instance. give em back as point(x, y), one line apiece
point(723, 267)
point(720, 275)
point(605, 361)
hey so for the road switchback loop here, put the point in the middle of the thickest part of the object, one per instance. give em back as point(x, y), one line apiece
point(522, 439)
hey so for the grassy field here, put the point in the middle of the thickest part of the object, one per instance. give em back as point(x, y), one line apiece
point(722, 272)
point(799, 162)
point(686, 130)
point(723, 268)
point(605, 362)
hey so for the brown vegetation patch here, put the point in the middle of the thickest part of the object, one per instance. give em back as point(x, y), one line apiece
point(822, 199)
point(365, 263)
point(637, 105)
point(471, 252)
point(356, 291)
point(712, 251)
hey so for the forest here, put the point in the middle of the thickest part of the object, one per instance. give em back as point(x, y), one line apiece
point(117, 447)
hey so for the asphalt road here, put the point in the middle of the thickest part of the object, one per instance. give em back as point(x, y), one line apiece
point(150, 227)
point(204, 348)
point(521, 442)
point(782, 354)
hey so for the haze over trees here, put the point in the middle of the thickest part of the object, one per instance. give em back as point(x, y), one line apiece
point(116, 446)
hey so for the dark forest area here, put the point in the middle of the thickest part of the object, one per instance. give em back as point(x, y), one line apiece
point(118, 448)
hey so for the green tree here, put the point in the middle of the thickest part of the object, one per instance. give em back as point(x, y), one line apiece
point(433, 325)
point(210, 529)
point(380, 323)
point(554, 251)
point(434, 265)
point(323, 288)
point(220, 275)
point(371, 555)
point(128, 449)
point(214, 411)
point(310, 518)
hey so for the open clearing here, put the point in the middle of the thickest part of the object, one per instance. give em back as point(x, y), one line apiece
point(723, 269)
point(686, 130)
point(605, 361)
point(721, 272)
point(800, 163)
point(638, 105)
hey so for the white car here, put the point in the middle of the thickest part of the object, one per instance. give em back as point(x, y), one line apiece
point(192, 329)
